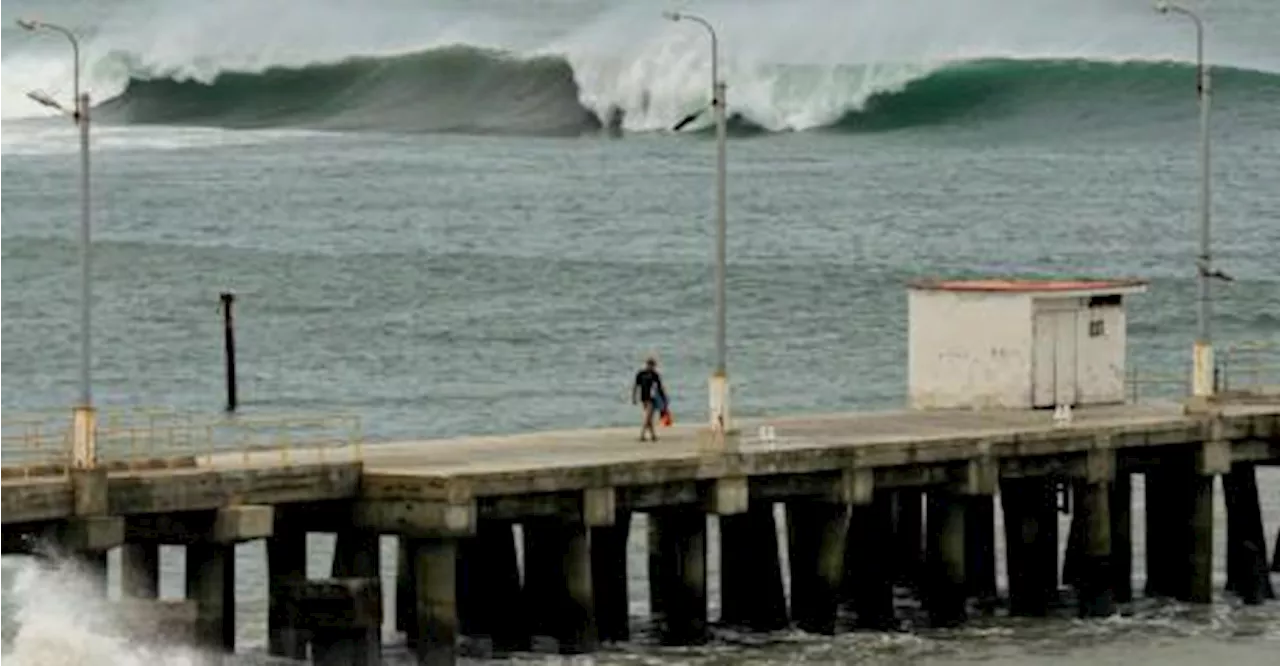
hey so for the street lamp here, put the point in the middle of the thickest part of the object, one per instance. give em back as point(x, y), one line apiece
point(719, 382)
point(1202, 380)
point(84, 454)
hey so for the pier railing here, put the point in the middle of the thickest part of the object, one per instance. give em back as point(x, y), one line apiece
point(39, 443)
point(1250, 368)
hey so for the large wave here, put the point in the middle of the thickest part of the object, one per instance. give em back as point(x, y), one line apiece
point(471, 89)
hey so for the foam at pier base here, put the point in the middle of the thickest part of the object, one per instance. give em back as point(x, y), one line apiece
point(56, 614)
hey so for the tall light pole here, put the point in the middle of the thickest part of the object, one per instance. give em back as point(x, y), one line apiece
point(719, 382)
point(1202, 380)
point(84, 453)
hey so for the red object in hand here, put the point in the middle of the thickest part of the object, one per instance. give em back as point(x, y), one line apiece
point(665, 418)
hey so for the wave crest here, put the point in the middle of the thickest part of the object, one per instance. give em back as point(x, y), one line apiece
point(470, 89)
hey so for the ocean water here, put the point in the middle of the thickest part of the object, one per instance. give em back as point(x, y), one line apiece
point(468, 217)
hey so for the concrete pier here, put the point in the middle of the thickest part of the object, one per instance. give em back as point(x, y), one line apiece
point(140, 570)
point(342, 618)
point(491, 608)
point(1247, 572)
point(609, 578)
point(558, 584)
point(946, 589)
point(869, 565)
point(286, 571)
point(1031, 544)
point(908, 536)
point(1121, 511)
point(817, 530)
point(211, 585)
point(852, 485)
point(980, 547)
point(435, 573)
point(681, 575)
point(751, 592)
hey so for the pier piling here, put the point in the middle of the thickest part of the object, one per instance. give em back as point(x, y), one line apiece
point(609, 578)
point(1247, 575)
point(286, 569)
point(681, 576)
point(211, 585)
point(868, 565)
point(491, 613)
point(946, 591)
point(751, 592)
point(558, 586)
point(140, 570)
point(817, 530)
point(435, 573)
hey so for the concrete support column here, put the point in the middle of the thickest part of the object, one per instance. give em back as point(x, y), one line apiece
point(140, 570)
point(286, 570)
point(558, 590)
point(1030, 522)
point(1166, 520)
point(343, 618)
point(681, 574)
point(406, 590)
point(1247, 575)
point(211, 585)
point(751, 592)
point(435, 572)
point(1200, 551)
point(490, 608)
point(817, 530)
point(980, 547)
point(1121, 511)
point(908, 537)
point(356, 554)
point(945, 592)
point(609, 578)
point(1094, 579)
point(868, 565)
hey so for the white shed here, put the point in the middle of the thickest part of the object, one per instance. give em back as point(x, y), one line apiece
point(1001, 343)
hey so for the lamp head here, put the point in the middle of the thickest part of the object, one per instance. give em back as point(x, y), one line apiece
point(672, 16)
point(1162, 7)
point(28, 24)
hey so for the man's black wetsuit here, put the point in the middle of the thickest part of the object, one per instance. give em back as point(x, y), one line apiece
point(648, 380)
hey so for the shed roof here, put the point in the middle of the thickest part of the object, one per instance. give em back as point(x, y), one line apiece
point(1026, 286)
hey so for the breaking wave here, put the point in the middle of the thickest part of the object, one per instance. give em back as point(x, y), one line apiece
point(470, 89)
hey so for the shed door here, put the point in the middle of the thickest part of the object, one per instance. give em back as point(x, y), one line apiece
point(1053, 363)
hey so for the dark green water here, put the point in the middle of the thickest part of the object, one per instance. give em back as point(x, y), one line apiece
point(439, 238)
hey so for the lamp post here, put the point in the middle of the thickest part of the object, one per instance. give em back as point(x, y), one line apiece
point(84, 454)
point(719, 381)
point(1202, 380)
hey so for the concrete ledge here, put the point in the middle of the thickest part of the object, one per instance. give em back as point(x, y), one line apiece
point(416, 519)
point(731, 496)
point(242, 523)
point(89, 491)
point(90, 533)
point(599, 507)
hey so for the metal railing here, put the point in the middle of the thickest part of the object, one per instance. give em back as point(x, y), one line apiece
point(39, 443)
point(1140, 384)
point(1250, 368)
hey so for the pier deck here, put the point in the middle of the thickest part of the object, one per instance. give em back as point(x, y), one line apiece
point(870, 498)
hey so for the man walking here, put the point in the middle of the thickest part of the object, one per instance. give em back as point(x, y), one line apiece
point(649, 391)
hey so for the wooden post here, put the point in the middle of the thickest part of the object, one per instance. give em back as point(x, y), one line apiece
point(229, 344)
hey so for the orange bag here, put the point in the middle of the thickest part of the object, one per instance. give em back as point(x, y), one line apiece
point(665, 418)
